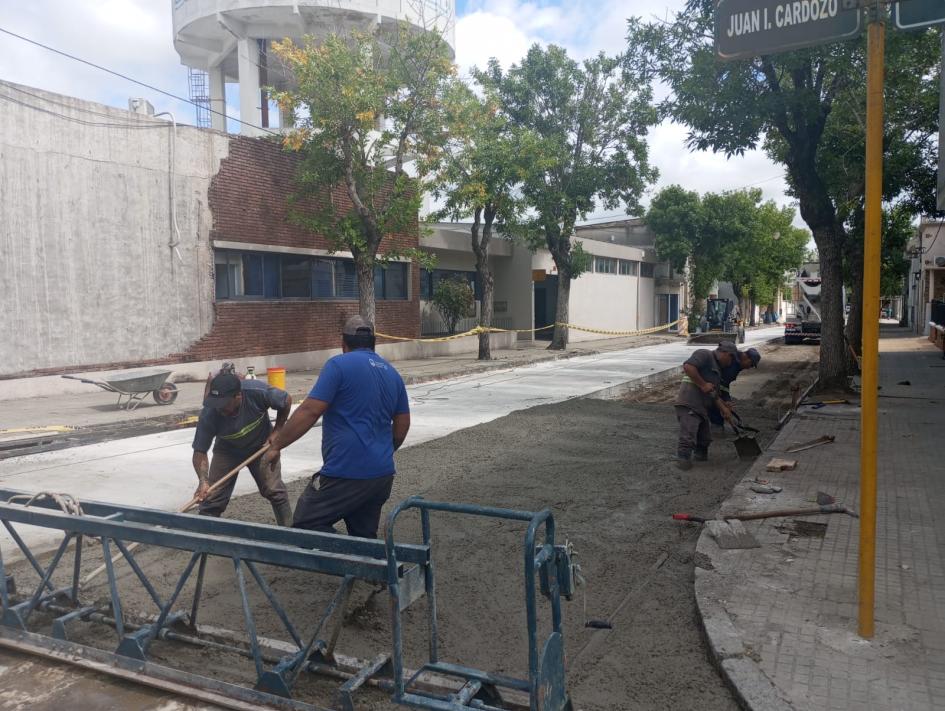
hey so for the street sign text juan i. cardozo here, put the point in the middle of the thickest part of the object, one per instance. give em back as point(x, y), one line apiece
point(748, 28)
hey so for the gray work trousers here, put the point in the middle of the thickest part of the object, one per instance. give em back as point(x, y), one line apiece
point(694, 432)
point(358, 502)
point(269, 482)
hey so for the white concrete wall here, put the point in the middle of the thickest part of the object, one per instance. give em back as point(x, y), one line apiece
point(84, 258)
point(610, 301)
point(513, 286)
point(604, 301)
point(647, 303)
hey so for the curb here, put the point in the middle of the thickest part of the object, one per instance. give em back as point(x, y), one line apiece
point(714, 580)
point(615, 392)
point(753, 689)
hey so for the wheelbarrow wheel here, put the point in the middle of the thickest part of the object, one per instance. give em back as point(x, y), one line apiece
point(166, 394)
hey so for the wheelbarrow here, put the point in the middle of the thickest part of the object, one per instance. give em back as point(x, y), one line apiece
point(132, 388)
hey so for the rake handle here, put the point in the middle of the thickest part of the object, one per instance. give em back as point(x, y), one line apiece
point(828, 509)
point(185, 508)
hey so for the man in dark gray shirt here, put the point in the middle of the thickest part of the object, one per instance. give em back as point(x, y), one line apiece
point(697, 394)
point(236, 414)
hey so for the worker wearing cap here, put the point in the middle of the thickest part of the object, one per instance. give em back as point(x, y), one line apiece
point(743, 361)
point(366, 419)
point(236, 415)
point(697, 394)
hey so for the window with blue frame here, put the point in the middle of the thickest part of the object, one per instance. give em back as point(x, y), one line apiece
point(265, 275)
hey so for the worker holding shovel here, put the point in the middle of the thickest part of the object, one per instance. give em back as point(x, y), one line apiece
point(236, 415)
point(698, 392)
point(743, 361)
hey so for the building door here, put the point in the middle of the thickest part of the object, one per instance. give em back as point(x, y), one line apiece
point(667, 310)
point(546, 302)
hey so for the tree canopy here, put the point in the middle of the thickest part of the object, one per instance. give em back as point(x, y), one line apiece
point(588, 122)
point(731, 236)
point(477, 173)
point(806, 110)
point(368, 106)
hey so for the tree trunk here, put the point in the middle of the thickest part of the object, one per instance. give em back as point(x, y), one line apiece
point(364, 265)
point(559, 341)
point(480, 247)
point(484, 274)
point(833, 351)
point(854, 329)
point(904, 315)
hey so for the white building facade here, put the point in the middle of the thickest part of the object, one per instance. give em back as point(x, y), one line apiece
point(626, 287)
point(926, 278)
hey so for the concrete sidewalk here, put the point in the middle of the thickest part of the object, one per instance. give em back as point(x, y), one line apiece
point(154, 469)
point(97, 408)
point(782, 619)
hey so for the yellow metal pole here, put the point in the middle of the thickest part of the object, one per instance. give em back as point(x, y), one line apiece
point(870, 361)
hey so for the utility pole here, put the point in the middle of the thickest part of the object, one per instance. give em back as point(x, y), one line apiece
point(876, 37)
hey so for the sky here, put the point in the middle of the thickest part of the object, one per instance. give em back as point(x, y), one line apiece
point(134, 37)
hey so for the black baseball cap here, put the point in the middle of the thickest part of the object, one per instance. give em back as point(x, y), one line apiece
point(727, 347)
point(222, 389)
point(754, 355)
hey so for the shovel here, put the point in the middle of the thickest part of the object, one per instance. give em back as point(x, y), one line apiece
point(746, 445)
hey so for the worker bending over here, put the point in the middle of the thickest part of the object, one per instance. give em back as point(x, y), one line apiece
point(743, 361)
point(697, 394)
point(236, 414)
point(364, 402)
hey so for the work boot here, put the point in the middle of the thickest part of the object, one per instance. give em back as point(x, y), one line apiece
point(683, 461)
point(283, 513)
point(700, 454)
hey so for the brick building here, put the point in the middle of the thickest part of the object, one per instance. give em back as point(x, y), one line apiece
point(128, 240)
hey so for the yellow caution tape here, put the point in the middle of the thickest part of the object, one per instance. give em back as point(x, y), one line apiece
point(489, 329)
point(47, 428)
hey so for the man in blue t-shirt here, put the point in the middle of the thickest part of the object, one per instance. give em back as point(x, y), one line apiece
point(364, 402)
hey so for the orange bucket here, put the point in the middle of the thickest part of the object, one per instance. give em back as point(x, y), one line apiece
point(276, 377)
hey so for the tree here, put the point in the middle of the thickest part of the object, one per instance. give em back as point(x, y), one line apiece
point(589, 123)
point(786, 104)
point(676, 218)
point(731, 236)
point(760, 254)
point(477, 173)
point(897, 231)
point(371, 105)
point(454, 299)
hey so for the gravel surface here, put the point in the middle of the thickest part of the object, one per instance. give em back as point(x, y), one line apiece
point(605, 468)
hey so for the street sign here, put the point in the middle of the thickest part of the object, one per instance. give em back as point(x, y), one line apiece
point(914, 14)
point(749, 28)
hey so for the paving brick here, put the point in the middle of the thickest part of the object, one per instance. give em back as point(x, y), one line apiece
point(796, 599)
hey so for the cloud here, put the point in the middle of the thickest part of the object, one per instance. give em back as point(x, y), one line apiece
point(134, 37)
point(505, 29)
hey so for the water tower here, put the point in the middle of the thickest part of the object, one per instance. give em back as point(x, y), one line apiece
point(229, 40)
